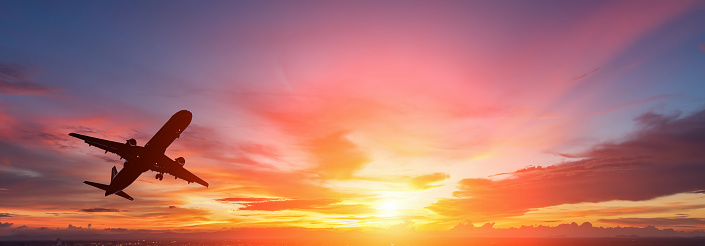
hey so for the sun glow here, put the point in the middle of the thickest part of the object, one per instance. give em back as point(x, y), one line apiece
point(389, 207)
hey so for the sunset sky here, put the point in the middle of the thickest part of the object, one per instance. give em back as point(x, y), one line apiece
point(357, 114)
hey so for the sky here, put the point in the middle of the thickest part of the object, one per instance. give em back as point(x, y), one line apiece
point(362, 115)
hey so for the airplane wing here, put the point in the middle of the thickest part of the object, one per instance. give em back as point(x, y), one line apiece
point(120, 149)
point(175, 169)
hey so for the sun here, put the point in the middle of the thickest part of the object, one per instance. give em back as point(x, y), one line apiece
point(388, 207)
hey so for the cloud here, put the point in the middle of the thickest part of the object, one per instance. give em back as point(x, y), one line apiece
point(260, 170)
point(587, 74)
point(658, 222)
point(614, 108)
point(15, 79)
point(664, 157)
point(336, 156)
point(6, 215)
point(158, 214)
point(631, 210)
point(245, 199)
point(405, 227)
point(276, 205)
point(24, 172)
point(19, 172)
point(425, 182)
point(272, 183)
point(99, 210)
point(463, 233)
point(325, 206)
point(6, 224)
point(586, 229)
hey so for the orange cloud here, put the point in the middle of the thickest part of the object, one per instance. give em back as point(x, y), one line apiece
point(424, 182)
point(677, 222)
point(276, 205)
point(336, 156)
point(631, 210)
point(99, 210)
point(324, 206)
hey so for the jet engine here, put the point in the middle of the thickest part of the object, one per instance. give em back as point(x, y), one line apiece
point(181, 160)
point(131, 142)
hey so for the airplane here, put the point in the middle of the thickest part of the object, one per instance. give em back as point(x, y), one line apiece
point(139, 159)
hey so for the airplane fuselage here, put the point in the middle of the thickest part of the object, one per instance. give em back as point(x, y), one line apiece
point(149, 156)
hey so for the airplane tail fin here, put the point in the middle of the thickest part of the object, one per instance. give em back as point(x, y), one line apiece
point(112, 175)
point(105, 187)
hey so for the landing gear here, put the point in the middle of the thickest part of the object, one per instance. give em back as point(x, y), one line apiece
point(159, 176)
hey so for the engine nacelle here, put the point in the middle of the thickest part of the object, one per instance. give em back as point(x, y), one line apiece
point(181, 160)
point(131, 142)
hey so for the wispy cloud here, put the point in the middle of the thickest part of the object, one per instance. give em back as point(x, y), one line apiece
point(587, 74)
point(99, 210)
point(324, 206)
point(16, 79)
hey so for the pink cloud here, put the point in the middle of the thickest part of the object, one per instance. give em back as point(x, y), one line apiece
point(665, 157)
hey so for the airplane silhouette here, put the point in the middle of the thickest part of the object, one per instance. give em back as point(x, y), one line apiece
point(140, 159)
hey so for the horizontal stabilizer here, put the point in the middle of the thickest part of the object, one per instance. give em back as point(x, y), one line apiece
point(96, 185)
point(124, 195)
point(105, 187)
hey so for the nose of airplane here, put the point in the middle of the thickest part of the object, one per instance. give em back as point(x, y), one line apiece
point(185, 114)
